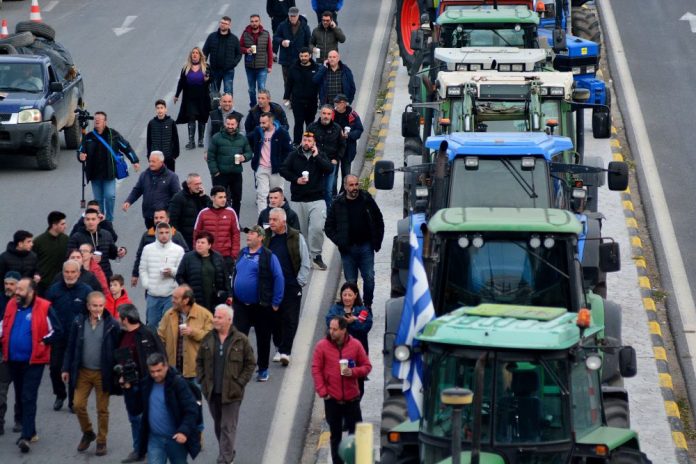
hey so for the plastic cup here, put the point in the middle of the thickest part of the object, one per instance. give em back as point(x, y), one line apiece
point(305, 175)
point(317, 53)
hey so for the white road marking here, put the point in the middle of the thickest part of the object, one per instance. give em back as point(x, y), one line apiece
point(688, 16)
point(222, 9)
point(212, 28)
point(125, 27)
point(50, 5)
point(283, 423)
point(668, 238)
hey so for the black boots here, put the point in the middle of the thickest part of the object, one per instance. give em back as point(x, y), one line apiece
point(201, 133)
point(191, 133)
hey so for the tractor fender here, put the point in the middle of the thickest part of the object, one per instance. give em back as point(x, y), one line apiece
point(611, 373)
point(590, 249)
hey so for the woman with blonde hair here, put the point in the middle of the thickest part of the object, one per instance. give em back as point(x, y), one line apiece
point(195, 104)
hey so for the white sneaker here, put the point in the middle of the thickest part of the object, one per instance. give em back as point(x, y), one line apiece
point(277, 357)
point(284, 359)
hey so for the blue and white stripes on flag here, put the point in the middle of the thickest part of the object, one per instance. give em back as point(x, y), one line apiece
point(418, 311)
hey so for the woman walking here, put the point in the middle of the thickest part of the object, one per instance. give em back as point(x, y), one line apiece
point(195, 104)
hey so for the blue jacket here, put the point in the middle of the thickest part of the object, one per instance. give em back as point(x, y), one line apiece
point(73, 354)
point(357, 329)
point(281, 147)
point(327, 5)
point(253, 278)
point(157, 190)
point(287, 56)
point(346, 78)
point(68, 302)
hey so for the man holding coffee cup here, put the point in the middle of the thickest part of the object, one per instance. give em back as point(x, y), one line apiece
point(257, 47)
point(338, 362)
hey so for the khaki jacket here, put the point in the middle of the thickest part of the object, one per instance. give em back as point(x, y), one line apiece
point(240, 365)
point(201, 322)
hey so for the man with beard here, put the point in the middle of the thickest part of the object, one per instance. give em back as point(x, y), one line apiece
point(216, 121)
point(292, 35)
point(10, 287)
point(185, 206)
point(302, 93)
point(350, 122)
point(330, 142)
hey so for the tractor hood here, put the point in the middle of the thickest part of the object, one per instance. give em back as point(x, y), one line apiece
point(501, 143)
point(466, 14)
point(491, 58)
point(540, 220)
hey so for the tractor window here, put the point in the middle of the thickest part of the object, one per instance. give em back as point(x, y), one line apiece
point(458, 35)
point(502, 116)
point(505, 272)
point(586, 398)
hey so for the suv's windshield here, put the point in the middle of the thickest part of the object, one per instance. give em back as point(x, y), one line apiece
point(506, 272)
point(505, 116)
point(464, 35)
point(21, 77)
point(514, 187)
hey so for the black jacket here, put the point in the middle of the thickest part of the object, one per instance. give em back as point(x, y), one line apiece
point(23, 262)
point(163, 136)
point(68, 302)
point(252, 119)
point(104, 242)
point(190, 271)
point(73, 354)
point(147, 343)
point(180, 402)
point(277, 8)
point(281, 146)
point(317, 167)
point(300, 86)
point(337, 227)
point(100, 163)
point(157, 189)
point(223, 51)
point(291, 216)
point(103, 224)
point(329, 139)
point(288, 55)
point(147, 238)
point(86, 277)
point(184, 209)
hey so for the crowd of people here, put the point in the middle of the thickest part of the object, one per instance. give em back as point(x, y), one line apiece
point(64, 307)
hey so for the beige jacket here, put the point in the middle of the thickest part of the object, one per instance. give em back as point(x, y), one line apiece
point(201, 322)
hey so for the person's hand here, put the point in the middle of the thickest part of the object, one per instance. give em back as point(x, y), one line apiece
point(326, 63)
point(65, 377)
point(83, 156)
point(167, 272)
point(205, 155)
point(302, 180)
point(101, 217)
point(37, 278)
point(180, 438)
point(249, 51)
point(347, 372)
point(125, 207)
point(334, 162)
point(285, 43)
point(124, 385)
point(186, 331)
point(215, 175)
point(275, 308)
point(344, 134)
point(333, 24)
point(315, 150)
point(176, 99)
point(136, 166)
point(121, 252)
point(349, 318)
point(134, 281)
point(269, 70)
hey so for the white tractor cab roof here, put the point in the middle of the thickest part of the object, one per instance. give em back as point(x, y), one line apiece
point(492, 58)
point(489, 84)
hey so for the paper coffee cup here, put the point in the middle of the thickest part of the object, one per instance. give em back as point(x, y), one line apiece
point(317, 53)
point(182, 326)
point(305, 174)
point(343, 363)
point(97, 253)
point(346, 130)
point(238, 159)
point(253, 49)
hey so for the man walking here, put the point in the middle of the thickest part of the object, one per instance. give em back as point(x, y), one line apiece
point(28, 329)
point(278, 10)
point(169, 431)
point(157, 185)
point(349, 120)
point(226, 153)
point(293, 35)
point(50, 248)
point(271, 145)
point(98, 151)
point(162, 135)
point(265, 105)
point(291, 250)
point(322, 7)
point(185, 206)
point(223, 52)
point(158, 266)
point(338, 384)
point(216, 120)
point(302, 93)
point(222, 381)
point(330, 142)
point(88, 364)
point(258, 290)
point(276, 199)
point(68, 298)
point(223, 224)
point(257, 47)
point(204, 270)
point(103, 222)
point(326, 36)
point(306, 169)
point(100, 240)
point(9, 289)
point(355, 224)
point(19, 256)
point(334, 78)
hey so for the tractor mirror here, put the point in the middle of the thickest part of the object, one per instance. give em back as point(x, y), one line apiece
point(581, 95)
point(410, 124)
point(601, 123)
point(559, 40)
point(609, 257)
point(384, 175)
point(617, 176)
point(628, 365)
point(417, 39)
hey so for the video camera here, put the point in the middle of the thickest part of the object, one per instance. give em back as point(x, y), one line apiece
point(125, 366)
point(83, 117)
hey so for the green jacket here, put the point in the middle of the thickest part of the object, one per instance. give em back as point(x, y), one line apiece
point(239, 366)
point(222, 149)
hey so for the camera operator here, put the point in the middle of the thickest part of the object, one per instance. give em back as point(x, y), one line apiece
point(142, 342)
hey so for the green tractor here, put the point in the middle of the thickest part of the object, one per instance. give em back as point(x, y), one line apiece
point(517, 259)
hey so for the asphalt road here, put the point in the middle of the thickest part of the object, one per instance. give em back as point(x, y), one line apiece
point(653, 58)
point(124, 74)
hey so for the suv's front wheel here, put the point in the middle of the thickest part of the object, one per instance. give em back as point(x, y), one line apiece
point(47, 156)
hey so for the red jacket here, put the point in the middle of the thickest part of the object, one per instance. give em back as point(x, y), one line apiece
point(326, 370)
point(112, 304)
point(224, 225)
point(96, 269)
point(41, 328)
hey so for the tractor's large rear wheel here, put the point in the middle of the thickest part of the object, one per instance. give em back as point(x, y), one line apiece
point(629, 456)
point(585, 24)
point(616, 412)
point(408, 13)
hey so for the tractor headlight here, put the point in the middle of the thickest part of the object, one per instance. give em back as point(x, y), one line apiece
point(454, 91)
point(557, 91)
point(475, 67)
point(593, 362)
point(402, 353)
point(517, 67)
point(591, 69)
point(32, 115)
point(576, 70)
point(504, 67)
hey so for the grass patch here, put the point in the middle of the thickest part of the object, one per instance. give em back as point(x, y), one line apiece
point(380, 100)
point(658, 295)
point(364, 183)
point(370, 153)
point(685, 413)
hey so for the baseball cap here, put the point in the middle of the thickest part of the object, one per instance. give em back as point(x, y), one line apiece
point(13, 275)
point(340, 97)
point(293, 11)
point(258, 229)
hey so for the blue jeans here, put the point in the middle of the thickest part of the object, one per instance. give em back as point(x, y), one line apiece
point(256, 78)
point(26, 379)
point(161, 448)
point(104, 192)
point(135, 423)
point(224, 77)
point(330, 189)
point(156, 307)
point(360, 257)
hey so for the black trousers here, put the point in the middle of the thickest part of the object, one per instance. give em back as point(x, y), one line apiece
point(261, 318)
point(233, 184)
point(55, 369)
point(287, 320)
point(304, 112)
point(5, 381)
point(338, 412)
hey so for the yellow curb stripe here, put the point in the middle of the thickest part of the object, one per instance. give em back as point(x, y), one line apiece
point(644, 282)
point(323, 439)
point(649, 304)
point(615, 143)
point(618, 157)
point(679, 440)
point(631, 223)
point(379, 146)
point(640, 262)
point(628, 204)
point(636, 242)
point(382, 133)
point(654, 328)
point(672, 409)
point(665, 380)
point(660, 353)
point(391, 84)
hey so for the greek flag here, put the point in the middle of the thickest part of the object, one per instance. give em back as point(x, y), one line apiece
point(418, 311)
